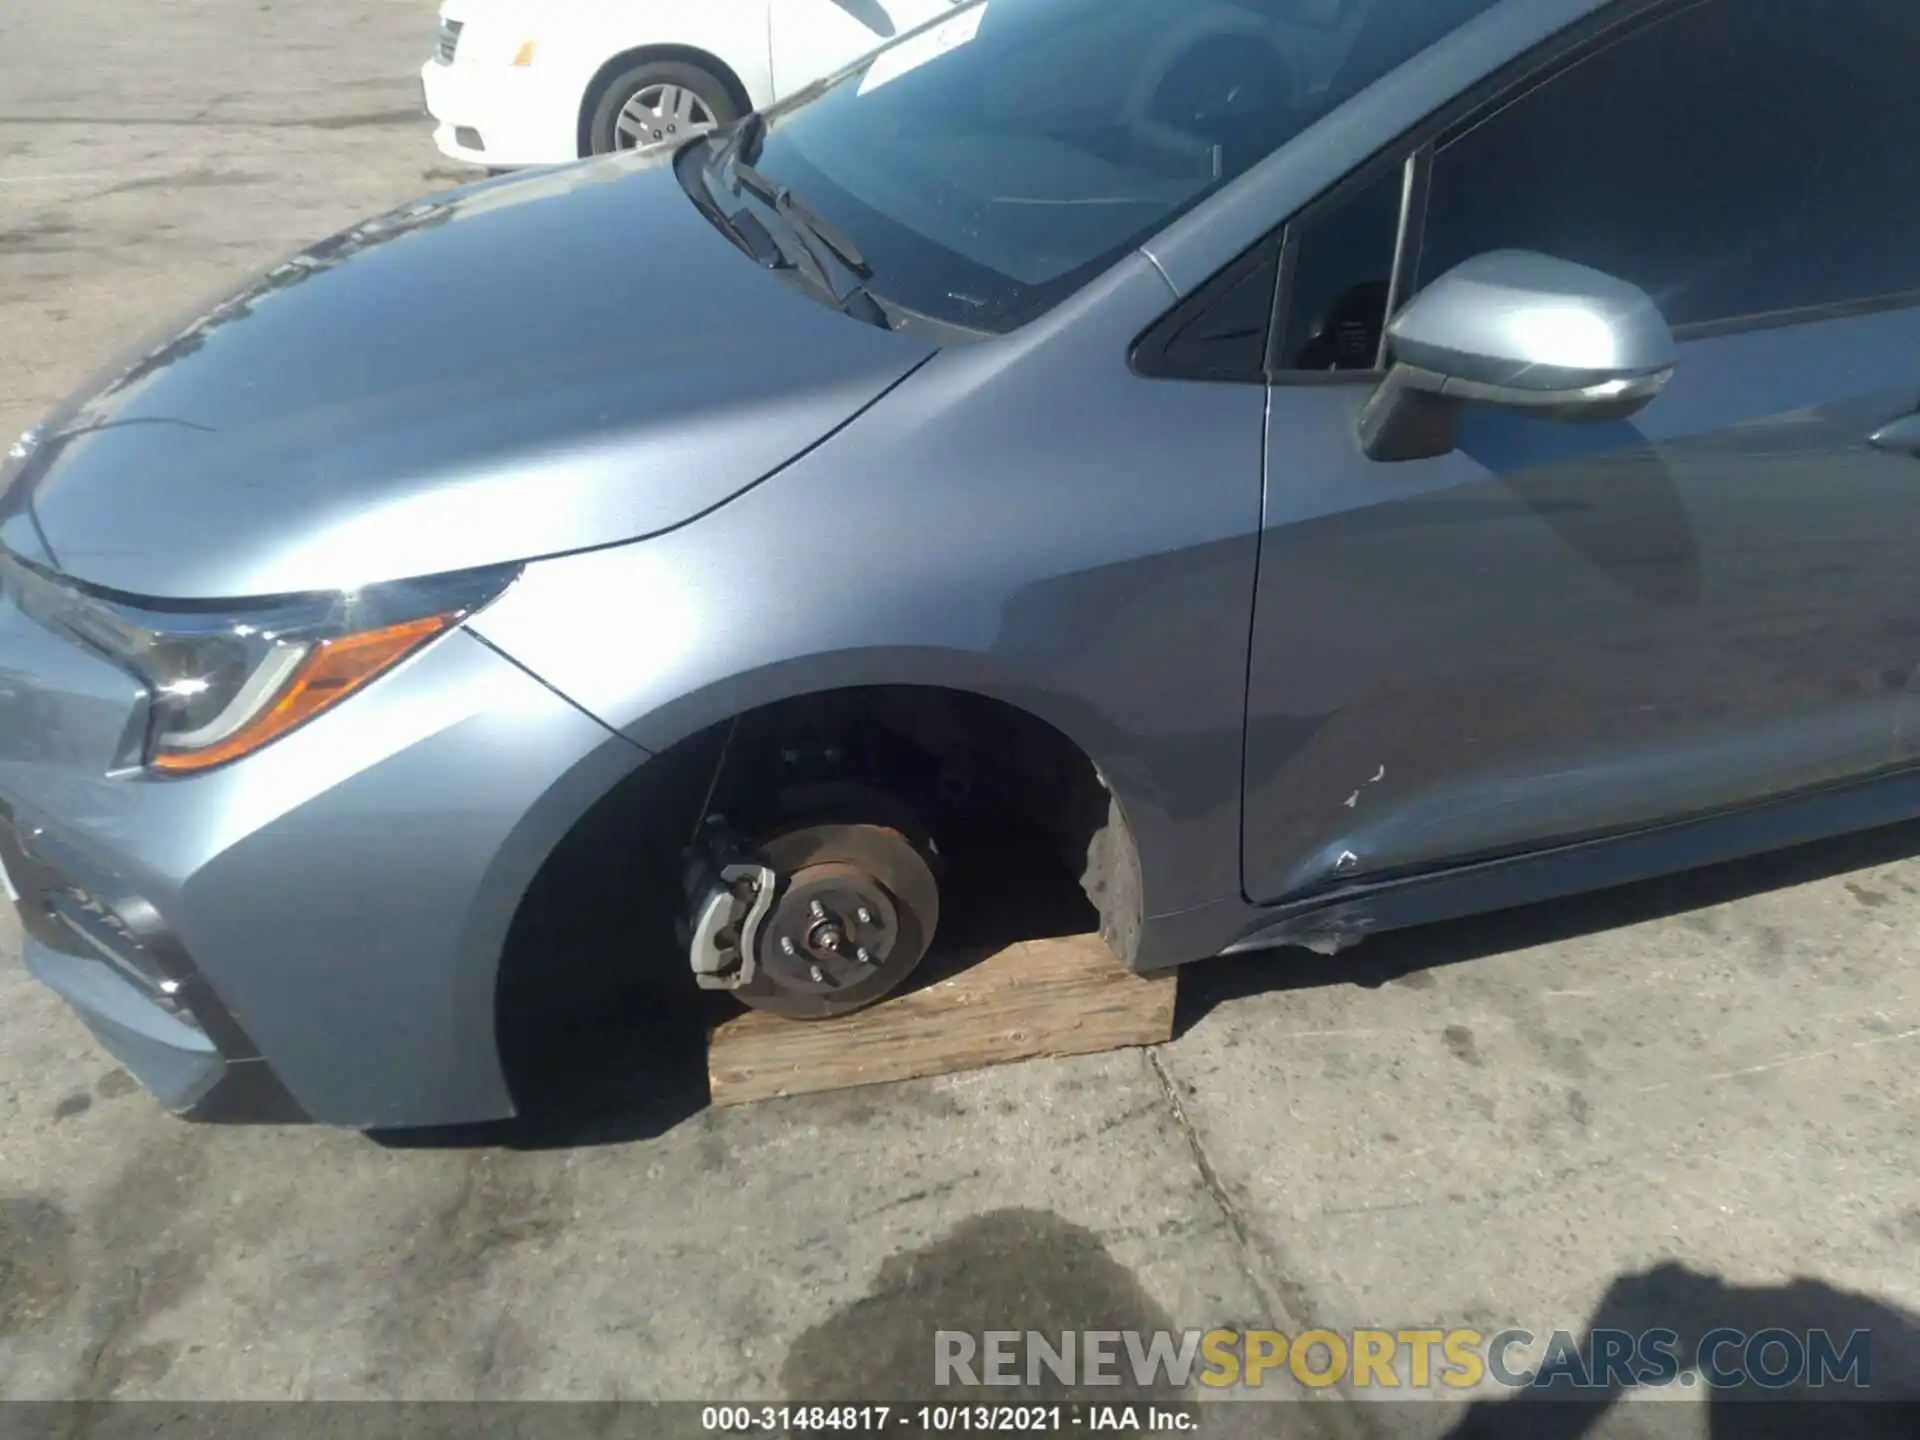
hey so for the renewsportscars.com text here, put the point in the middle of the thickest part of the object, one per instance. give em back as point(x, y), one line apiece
point(1409, 1358)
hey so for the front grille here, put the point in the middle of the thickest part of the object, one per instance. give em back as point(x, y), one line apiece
point(447, 43)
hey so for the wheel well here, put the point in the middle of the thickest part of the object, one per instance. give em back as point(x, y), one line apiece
point(975, 768)
point(967, 763)
point(646, 54)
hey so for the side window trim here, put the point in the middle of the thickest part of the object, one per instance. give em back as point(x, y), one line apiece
point(1417, 149)
point(1575, 45)
point(1414, 150)
point(1419, 146)
point(1460, 120)
point(1801, 315)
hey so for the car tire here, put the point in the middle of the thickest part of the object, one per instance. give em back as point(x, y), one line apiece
point(682, 98)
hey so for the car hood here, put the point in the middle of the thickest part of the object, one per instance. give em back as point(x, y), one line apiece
point(559, 360)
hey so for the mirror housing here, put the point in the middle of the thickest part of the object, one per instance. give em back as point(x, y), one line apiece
point(1519, 331)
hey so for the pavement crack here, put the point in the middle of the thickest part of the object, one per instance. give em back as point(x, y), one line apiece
point(1244, 1250)
point(113, 1314)
point(1343, 1421)
point(914, 1197)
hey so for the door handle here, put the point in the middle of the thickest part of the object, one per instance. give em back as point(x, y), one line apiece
point(1901, 437)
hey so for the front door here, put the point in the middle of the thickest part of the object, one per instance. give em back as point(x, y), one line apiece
point(1562, 631)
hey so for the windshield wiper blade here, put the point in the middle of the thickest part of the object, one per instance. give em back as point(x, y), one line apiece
point(862, 304)
point(797, 212)
point(767, 250)
point(808, 234)
point(744, 229)
point(754, 238)
point(744, 140)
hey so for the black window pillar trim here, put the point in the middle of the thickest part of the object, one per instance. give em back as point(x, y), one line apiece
point(1157, 353)
point(1417, 186)
point(1282, 298)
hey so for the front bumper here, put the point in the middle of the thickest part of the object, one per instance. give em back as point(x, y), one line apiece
point(314, 931)
point(500, 116)
point(138, 993)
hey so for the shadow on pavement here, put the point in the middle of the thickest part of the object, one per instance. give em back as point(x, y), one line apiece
point(630, 1065)
point(1693, 1306)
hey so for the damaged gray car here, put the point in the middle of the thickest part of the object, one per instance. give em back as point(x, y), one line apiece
point(1333, 465)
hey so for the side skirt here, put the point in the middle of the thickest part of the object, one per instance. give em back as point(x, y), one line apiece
point(1332, 920)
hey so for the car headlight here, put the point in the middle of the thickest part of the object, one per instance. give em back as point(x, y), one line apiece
point(492, 42)
point(223, 681)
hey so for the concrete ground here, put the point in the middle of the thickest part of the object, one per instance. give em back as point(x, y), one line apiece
point(1508, 1121)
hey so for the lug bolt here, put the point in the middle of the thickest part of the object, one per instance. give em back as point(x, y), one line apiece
point(862, 956)
point(817, 910)
point(864, 915)
point(819, 975)
point(786, 945)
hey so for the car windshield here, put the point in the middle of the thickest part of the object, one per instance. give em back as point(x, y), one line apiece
point(988, 166)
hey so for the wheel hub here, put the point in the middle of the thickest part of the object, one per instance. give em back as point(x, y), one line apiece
point(833, 925)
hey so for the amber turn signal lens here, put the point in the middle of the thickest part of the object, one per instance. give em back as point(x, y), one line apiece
point(333, 671)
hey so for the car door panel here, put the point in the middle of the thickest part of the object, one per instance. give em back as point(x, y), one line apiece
point(811, 38)
point(1562, 631)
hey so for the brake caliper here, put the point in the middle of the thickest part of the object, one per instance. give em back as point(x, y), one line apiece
point(729, 893)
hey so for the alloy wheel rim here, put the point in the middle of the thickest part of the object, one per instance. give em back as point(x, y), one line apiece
point(660, 115)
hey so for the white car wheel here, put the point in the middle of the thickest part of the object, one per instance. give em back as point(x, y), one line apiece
point(658, 104)
point(659, 115)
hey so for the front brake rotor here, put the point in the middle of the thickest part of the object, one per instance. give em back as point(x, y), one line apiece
point(832, 925)
point(857, 909)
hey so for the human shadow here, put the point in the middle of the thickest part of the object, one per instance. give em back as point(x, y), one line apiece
point(1869, 1400)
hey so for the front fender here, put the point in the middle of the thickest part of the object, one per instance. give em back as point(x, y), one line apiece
point(1023, 518)
point(680, 667)
point(1124, 626)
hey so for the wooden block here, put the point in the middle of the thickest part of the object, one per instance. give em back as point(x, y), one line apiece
point(1069, 996)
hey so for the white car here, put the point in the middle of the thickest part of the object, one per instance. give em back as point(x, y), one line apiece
point(539, 82)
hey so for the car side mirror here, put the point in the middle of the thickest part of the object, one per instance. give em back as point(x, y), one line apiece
point(1519, 331)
